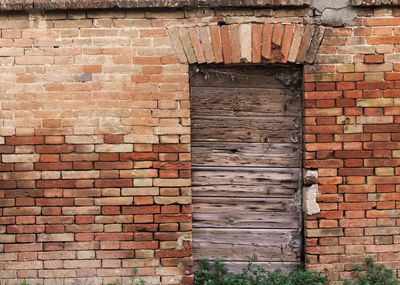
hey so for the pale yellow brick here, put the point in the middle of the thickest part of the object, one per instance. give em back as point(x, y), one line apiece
point(51, 174)
point(84, 139)
point(82, 263)
point(7, 131)
point(168, 244)
point(52, 264)
point(362, 67)
point(133, 263)
point(144, 253)
point(380, 76)
point(153, 139)
point(110, 192)
point(114, 148)
point(172, 182)
point(8, 256)
point(142, 164)
point(24, 149)
point(138, 173)
point(115, 228)
point(384, 171)
point(384, 48)
point(7, 238)
point(80, 174)
point(396, 153)
point(20, 157)
point(55, 237)
point(374, 119)
point(143, 182)
point(86, 254)
point(23, 265)
point(375, 102)
point(114, 201)
point(172, 130)
point(169, 139)
point(172, 200)
point(81, 210)
point(141, 191)
point(344, 68)
point(22, 175)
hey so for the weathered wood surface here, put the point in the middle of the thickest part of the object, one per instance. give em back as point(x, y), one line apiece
point(239, 182)
point(245, 154)
point(246, 165)
point(244, 213)
point(243, 102)
point(238, 76)
point(246, 129)
point(238, 245)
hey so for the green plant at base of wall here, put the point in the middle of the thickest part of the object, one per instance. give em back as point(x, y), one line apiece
point(372, 274)
point(216, 273)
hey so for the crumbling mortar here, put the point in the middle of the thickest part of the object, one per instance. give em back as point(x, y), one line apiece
point(310, 192)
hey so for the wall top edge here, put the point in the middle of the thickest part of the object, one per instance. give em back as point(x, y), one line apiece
point(26, 5)
point(375, 2)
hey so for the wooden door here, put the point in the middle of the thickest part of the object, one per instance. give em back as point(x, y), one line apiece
point(246, 153)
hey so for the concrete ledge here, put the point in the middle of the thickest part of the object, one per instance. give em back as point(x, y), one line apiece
point(17, 5)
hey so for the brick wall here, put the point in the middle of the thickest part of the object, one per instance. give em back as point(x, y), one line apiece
point(94, 149)
point(352, 137)
point(95, 143)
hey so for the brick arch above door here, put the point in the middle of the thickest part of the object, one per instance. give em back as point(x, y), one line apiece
point(247, 43)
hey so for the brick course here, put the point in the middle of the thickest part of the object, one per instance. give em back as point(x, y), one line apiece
point(95, 136)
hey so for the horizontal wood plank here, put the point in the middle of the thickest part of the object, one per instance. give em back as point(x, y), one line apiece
point(225, 129)
point(232, 76)
point(251, 213)
point(242, 102)
point(246, 154)
point(242, 182)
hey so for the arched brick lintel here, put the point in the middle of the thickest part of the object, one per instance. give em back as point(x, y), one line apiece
point(247, 43)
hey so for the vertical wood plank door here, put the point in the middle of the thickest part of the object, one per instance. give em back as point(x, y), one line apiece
point(246, 164)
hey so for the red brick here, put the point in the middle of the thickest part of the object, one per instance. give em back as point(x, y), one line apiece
point(54, 148)
point(216, 43)
point(113, 183)
point(267, 41)
point(374, 58)
point(24, 140)
point(194, 36)
point(235, 43)
point(55, 184)
point(53, 166)
point(286, 42)
point(118, 139)
point(256, 43)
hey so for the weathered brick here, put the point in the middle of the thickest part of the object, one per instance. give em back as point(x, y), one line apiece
point(55, 237)
point(114, 148)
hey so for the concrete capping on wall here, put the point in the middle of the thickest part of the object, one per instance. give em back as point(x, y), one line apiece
point(375, 2)
point(247, 43)
point(16, 5)
point(254, 3)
